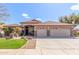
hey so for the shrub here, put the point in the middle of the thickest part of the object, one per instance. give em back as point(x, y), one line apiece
point(76, 34)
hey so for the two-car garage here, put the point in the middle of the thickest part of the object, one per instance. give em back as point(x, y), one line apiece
point(54, 33)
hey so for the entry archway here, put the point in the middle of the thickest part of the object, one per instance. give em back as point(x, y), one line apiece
point(29, 30)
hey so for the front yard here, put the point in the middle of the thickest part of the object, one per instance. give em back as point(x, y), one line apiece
point(12, 43)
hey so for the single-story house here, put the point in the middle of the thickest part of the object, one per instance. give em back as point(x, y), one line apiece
point(76, 29)
point(47, 29)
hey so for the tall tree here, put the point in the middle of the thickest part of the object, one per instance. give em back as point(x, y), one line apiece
point(71, 19)
point(4, 15)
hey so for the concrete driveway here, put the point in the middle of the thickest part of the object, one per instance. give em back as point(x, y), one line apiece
point(57, 43)
point(58, 46)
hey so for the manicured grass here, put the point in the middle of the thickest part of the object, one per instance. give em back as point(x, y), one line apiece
point(11, 43)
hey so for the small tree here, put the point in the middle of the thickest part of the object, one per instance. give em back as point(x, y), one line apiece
point(7, 30)
point(17, 30)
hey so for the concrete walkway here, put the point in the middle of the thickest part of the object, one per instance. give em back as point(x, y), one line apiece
point(20, 52)
point(31, 44)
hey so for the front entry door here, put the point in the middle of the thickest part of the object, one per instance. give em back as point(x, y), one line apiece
point(26, 31)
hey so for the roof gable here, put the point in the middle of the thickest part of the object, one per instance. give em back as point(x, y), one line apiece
point(34, 21)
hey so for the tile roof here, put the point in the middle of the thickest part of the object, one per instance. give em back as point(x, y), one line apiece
point(34, 20)
point(44, 23)
point(54, 23)
point(12, 25)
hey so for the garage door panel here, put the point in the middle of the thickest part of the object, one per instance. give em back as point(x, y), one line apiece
point(42, 33)
point(60, 33)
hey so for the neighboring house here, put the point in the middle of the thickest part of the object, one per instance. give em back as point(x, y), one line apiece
point(2, 25)
point(76, 29)
point(47, 29)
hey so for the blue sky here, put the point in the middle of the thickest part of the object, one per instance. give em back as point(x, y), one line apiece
point(44, 11)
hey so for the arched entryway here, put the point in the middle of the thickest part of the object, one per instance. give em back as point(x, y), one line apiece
point(29, 30)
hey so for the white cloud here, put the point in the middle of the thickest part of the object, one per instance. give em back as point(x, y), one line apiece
point(25, 15)
point(39, 19)
point(75, 7)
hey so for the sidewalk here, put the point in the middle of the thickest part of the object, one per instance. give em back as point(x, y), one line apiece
point(39, 52)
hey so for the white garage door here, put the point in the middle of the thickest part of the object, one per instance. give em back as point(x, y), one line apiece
point(42, 33)
point(60, 33)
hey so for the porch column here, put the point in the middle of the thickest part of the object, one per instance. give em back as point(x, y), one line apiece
point(35, 31)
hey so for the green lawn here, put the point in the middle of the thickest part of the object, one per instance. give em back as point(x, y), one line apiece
point(11, 44)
